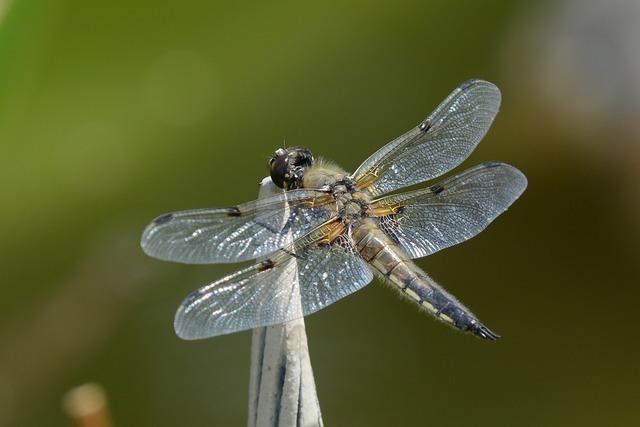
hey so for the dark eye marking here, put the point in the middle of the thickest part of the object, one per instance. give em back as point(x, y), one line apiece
point(436, 189)
point(265, 265)
point(163, 218)
point(234, 211)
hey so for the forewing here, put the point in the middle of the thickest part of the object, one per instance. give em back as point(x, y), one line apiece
point(440, 143)
point(239, 233)
point(424, 221)
point(296, 281)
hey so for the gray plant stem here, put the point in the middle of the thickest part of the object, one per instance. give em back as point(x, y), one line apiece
point(282, 390)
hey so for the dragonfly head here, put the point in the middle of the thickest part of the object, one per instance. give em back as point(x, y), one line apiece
point(287, 166)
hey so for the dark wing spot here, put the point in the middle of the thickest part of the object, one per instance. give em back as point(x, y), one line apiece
point(288, 252)
point(425, 126)
point(265, 265)
point(163, 218)
point(492, 164)
point(467, 83)
point(234, 211)
point(436, 189)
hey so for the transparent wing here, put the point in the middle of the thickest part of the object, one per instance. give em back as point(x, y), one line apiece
point(296, 281)
point(424, 221)
point(437, 145)
point(239, 233)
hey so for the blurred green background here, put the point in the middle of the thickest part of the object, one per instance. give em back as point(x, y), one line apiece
point(114, 112)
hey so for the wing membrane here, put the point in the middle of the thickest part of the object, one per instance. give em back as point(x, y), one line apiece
point(439, 144)
point(451, 212)
point(296, 281)
point(240, 233)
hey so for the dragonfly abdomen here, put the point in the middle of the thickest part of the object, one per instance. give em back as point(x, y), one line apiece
point(389, 260)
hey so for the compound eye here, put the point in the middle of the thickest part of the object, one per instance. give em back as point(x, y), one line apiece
point(279, 170)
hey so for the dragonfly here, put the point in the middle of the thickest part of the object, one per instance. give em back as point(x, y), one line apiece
point(326, 232)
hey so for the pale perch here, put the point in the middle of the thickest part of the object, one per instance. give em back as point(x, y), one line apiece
point(282, 390)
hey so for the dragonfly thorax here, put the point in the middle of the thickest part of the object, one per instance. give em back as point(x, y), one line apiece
point(351, 208)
